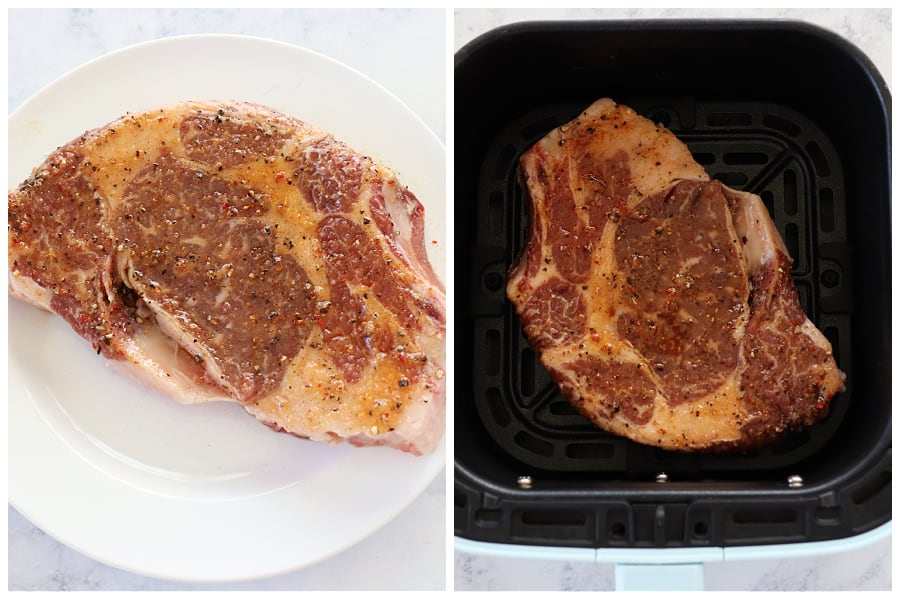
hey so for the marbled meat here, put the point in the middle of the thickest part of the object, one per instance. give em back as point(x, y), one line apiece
point(659, 300)
point(225, 251)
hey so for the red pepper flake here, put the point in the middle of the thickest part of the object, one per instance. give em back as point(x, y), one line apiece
point(279, 175)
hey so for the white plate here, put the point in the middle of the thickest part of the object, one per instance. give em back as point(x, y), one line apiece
point(198, 493)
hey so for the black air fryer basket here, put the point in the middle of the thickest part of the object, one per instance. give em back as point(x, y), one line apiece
point(781, 109)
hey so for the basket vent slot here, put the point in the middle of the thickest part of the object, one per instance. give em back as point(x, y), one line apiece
point(495, 213)
point(745, 158)
point(527, 372)
point(492, 352)
point(729, 119)
point(790, 192)
point(534, 444)
point(826, 209)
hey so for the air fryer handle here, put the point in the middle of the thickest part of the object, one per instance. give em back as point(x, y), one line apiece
point(659, 577)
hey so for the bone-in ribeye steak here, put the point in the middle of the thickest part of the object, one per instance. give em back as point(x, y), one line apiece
point(659, 300)
point(224, 251)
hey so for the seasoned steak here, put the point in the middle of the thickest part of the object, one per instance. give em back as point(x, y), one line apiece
point(224, 251)
point(659, 300)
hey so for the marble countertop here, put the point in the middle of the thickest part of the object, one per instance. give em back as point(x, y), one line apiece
point(46, 43)
point(867, 568)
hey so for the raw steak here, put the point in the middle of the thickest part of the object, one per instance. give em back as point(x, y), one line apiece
point(224, 251)
point(659, 300)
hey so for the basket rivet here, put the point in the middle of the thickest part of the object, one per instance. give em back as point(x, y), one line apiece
point(524, 482)
point(661, 478)
point(794, 481)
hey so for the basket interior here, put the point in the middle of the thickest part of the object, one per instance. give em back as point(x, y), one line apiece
point(826, 185)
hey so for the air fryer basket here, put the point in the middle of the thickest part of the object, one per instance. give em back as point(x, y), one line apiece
point(780, 109)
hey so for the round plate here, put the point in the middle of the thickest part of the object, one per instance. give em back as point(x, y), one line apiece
point(204, 492)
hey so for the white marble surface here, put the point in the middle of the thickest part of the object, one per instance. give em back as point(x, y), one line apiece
point(864, 569)
point(404, 51)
